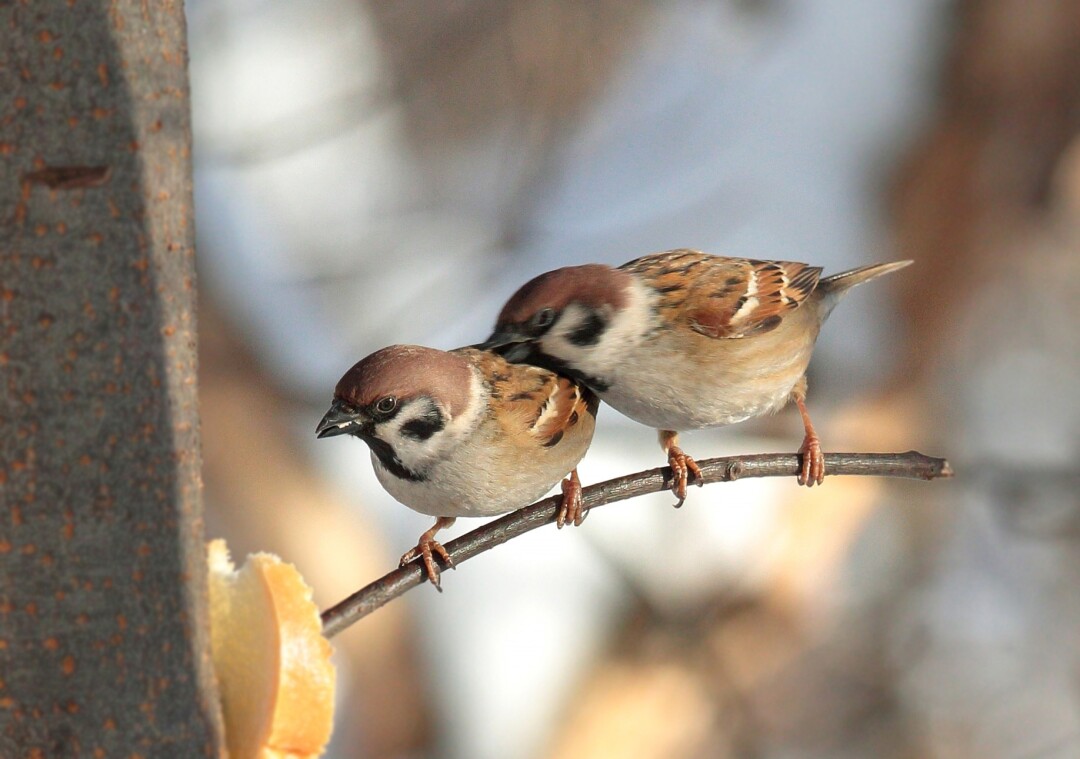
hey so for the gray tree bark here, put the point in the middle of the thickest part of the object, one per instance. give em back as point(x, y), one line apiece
point(104, 647)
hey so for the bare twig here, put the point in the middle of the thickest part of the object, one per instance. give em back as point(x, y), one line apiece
point(912, 465)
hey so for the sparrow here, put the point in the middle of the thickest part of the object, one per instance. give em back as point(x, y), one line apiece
point(464, 433)
point(682, 340)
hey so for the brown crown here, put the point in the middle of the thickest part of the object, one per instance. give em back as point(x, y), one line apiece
point(408, 371)
point(593, 285)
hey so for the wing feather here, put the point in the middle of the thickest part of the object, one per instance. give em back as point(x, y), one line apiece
point(725, 297)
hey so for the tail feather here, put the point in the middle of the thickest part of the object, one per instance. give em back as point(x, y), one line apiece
point(845, 280)
point(835, 286)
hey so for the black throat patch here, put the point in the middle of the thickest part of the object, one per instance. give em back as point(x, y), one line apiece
point(557, 365)
point(384, 452)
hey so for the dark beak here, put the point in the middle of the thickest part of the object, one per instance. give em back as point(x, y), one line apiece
point(341, 419)
point(512, 346)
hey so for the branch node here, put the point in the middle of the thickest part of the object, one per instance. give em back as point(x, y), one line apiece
point(734, 471)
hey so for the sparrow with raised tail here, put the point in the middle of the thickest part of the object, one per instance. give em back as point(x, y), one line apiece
point(682, 339)
point(464, 433)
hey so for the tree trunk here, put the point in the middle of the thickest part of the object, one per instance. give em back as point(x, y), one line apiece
point(104, 647)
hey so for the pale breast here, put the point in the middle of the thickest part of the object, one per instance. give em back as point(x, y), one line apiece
point(683, 380)
point(489, 474)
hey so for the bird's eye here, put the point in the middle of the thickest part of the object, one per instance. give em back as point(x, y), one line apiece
point(543, 319)
point(386, 405)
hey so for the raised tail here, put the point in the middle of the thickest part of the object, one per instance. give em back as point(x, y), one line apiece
point(833, 287)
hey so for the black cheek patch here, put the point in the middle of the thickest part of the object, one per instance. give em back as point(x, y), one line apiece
point(423, 427)
point(588, 333)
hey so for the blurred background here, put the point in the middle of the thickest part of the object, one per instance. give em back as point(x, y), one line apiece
point(379, 172)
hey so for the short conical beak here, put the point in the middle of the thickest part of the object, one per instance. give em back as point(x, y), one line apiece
point(341, 419)
point(512, 346)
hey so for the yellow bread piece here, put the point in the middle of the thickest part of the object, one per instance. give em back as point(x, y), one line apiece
point(271, 659)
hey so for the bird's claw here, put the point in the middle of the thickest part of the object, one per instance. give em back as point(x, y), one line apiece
point(812, 469)
point(682, 468)
point(426, 548)
point(571, 509)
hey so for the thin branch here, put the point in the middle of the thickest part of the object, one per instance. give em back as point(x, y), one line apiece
point(912, 465)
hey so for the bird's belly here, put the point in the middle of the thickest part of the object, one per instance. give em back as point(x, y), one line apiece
point(479, 487)
point(683, 389)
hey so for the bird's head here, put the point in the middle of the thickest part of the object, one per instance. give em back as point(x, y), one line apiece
point(569, 320)
point(407, 403)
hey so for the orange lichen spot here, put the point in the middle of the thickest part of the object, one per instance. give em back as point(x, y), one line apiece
point(61, 228)
point(103, 74)
point(47, 560)
point(57, 53)
point(109, 724)
point(144, 550)
point(45, 36)
point(71, 707)
point(7, 295)
point(73, 121)
point(31, 608)
point(51, 644)
point(133, 146)
point(101, 113)
point(41, 230)
point(67, 665)
point(156, 126)
point(16, 512)
point(46, 320)
point(137, 575)
point(19, 103)
point(116, 639)
point(68, 530)
point(82, 618)
point(57, 86)
point(6, 607)
point(3, 644)
point(7, 702)
point(5, 546)
point(99, 752)
point(141, 264)
point(7, 148)
point(28, 549)
point(59, 595)
point(121, 621)
point(168, 330)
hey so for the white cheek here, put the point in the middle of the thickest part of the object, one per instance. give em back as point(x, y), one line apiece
point(420, 455)
point(626, 328)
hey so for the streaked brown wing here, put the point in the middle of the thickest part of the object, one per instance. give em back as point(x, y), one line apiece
point(534, 401)
point(725, 297)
